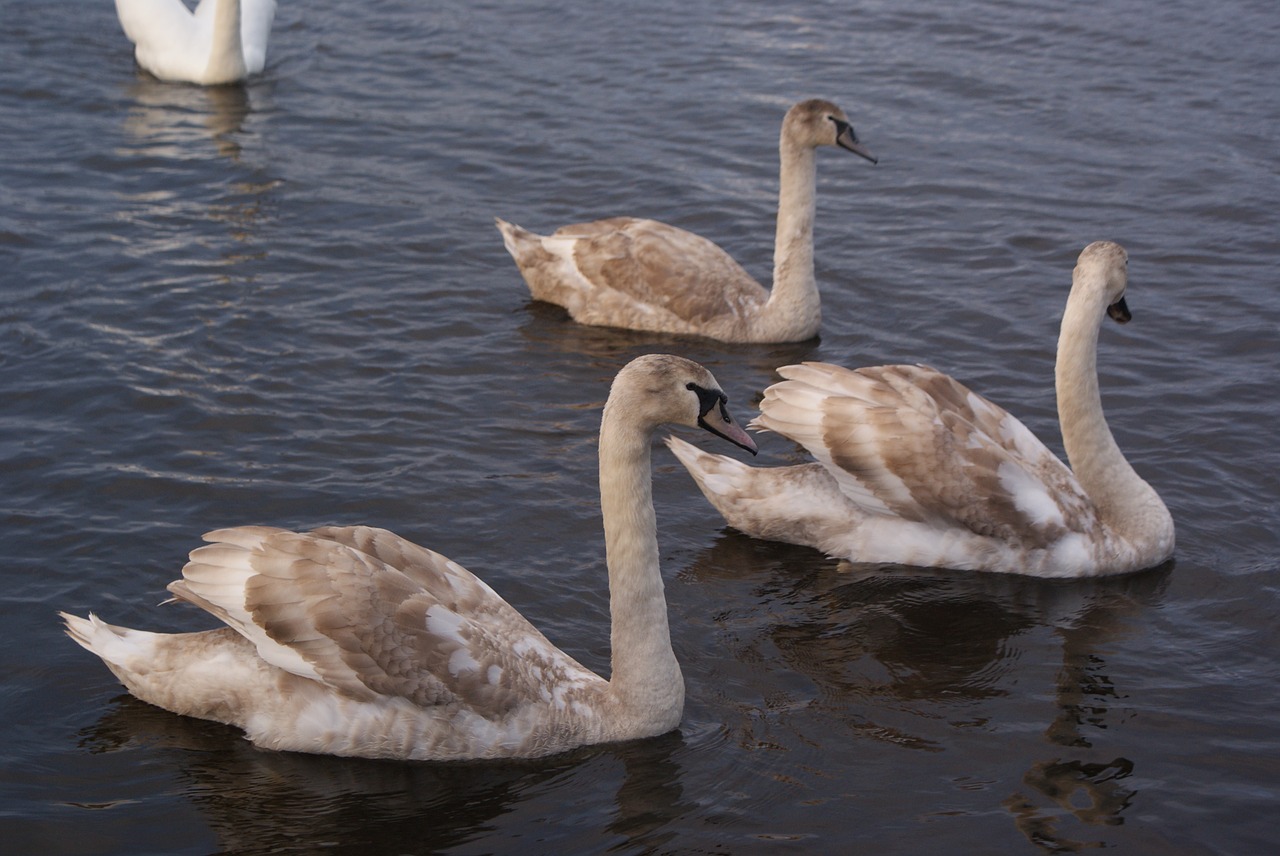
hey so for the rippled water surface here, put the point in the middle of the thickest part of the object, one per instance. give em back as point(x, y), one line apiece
point(286, 303)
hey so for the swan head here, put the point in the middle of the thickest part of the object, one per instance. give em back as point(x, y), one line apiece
point(817, 122)
point(1106, 264)
point(659, 389)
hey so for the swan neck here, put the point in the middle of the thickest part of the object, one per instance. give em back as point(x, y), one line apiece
point(645, 675)
point(795, 290)
point(226, 52)
point(1095, 458)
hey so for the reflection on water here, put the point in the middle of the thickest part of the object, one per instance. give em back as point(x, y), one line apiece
point(1093, 793)
point(257, 801)
point(650, 795)
point(549, 331)
point(175, 121)
point(886, 652)
point(1090, 789)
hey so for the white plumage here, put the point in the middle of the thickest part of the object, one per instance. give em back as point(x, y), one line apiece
point(914, 468)
point(645, 275)
point(223, 41)
point(354, 641)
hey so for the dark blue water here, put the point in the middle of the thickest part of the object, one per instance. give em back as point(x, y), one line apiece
point(287, 304)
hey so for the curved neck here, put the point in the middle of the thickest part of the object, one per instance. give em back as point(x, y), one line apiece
point(795, 291)
point(1095, 458)
point(645, 673)
point(226, 54)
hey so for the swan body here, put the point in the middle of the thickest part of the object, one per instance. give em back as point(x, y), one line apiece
point(645, 275)
point(914, 468)
point(353, 641)
point(223, 41)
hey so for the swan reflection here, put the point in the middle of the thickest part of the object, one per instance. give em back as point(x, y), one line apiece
point(281, 802)
point(175, 121)
point(185, 136)
point(921, 658)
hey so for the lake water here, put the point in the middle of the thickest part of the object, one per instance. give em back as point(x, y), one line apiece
point(286, 303)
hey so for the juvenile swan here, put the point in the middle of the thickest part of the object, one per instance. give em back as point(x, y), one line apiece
point(223, 41)
point(914, 468)
point(353, 641)
point(646, 275)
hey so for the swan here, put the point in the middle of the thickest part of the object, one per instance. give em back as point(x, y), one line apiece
point(914, 468)
point(353, 641)
point(645, 275)
point(223, 41)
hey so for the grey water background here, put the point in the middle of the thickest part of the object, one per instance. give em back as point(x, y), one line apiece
point(286, 303)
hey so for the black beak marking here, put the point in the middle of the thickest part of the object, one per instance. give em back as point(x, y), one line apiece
point(847, 139)
point(1119, 312)
point(709, 399)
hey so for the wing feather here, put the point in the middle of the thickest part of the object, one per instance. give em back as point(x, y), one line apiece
point(913, 442)
point(663, 266)
point(371, 614)
point(256, 18)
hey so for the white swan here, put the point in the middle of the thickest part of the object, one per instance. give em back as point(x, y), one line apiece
point(646, 275)
point(353, 641)
point(914, 468)
point(223, 41)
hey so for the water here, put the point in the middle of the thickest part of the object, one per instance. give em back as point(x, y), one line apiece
point(287, 304)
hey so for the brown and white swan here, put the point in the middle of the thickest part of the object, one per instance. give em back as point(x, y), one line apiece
point(914, 468)
point(353, 641)
point(645, 275)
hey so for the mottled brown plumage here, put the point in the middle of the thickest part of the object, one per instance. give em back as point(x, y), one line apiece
point(645, 275)
point(354, 641)
point(917, 469)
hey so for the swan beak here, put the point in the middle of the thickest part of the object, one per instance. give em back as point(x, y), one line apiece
point(1119, 312)
point(718, 421)
point(848, 141)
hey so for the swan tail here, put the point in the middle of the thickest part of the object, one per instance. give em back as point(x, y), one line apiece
point(518, 240)
point(131, 655)
point(798, 504)
point(118, 647)
point(547, 264)
point(728, 484)
point(208, 674)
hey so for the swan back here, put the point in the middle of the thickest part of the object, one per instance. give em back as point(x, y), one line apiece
point(912, 442)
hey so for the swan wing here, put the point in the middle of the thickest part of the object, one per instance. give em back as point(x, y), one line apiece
point(912, 442)
point(663, 266)
point(256, 18)
point(370, 614)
